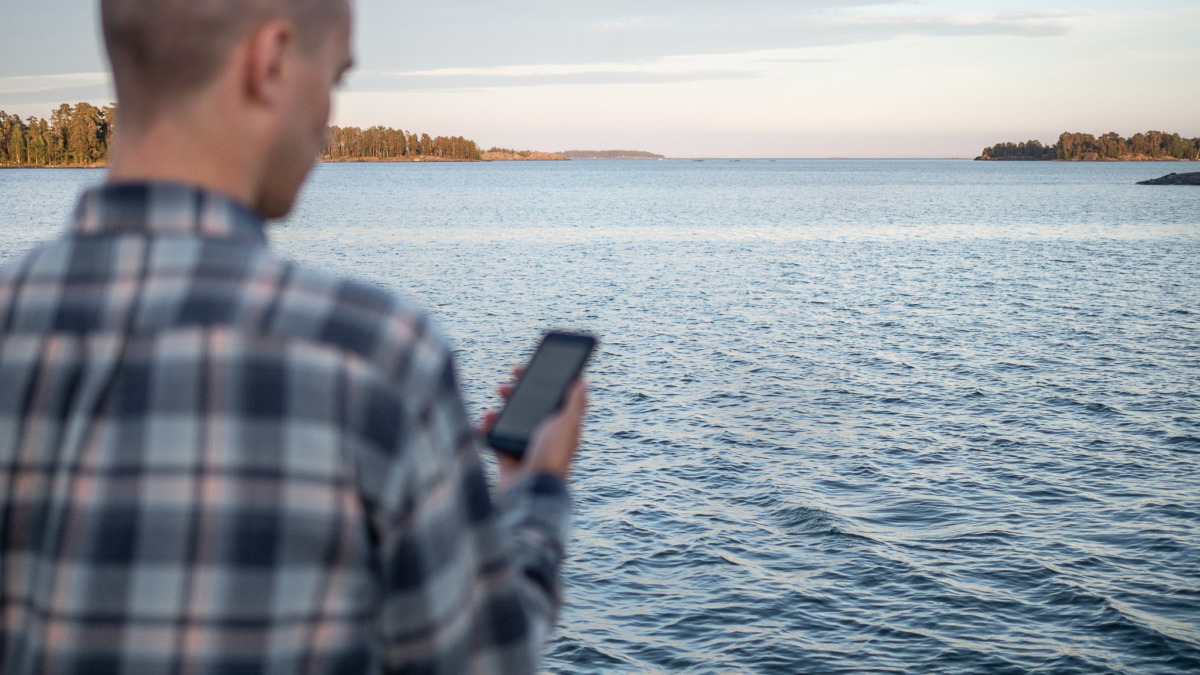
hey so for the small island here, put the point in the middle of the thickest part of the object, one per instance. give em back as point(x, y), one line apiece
point(609, 154)
point(1152, 146)
point(507, 155)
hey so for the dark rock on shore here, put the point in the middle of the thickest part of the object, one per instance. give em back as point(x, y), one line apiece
point(1174, 179)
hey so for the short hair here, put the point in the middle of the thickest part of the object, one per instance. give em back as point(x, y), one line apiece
point(177, 45)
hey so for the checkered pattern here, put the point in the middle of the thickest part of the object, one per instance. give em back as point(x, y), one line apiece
point(212, 461)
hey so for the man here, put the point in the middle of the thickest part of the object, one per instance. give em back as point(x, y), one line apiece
point(212, 461)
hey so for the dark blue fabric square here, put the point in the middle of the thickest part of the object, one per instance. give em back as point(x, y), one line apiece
point(206, 306)
point(381, 418)
point(350, 333)
point(264, 388)
point(116, 536)
point(131, 390)
point(475, 494)
point(405, 566)
point(507, 620)
point(254, 539)
point(354, 662)
point(98, 664)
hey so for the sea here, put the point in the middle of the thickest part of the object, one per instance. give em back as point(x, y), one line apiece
point(847, 416)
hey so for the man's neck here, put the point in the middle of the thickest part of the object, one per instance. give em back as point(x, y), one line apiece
point(184, 149)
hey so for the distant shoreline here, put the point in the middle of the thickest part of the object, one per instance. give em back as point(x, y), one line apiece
point(424, 159)
point(391, 160)
point(610, 154)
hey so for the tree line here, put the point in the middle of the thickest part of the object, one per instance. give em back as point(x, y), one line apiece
point(72, 136)
point(81, 135)
point(509, 151)
point(383, 143)
point(1073, 146)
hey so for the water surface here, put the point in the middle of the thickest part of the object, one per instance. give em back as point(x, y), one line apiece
point(848, 416)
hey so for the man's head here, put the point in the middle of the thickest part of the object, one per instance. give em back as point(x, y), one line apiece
point(266, 66)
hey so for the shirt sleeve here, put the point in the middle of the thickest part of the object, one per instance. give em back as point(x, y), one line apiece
point(469, 585)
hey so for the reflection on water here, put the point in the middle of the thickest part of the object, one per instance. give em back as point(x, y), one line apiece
point(847, 415)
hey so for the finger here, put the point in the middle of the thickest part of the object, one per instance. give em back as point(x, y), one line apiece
point(570, 415)
point(505, 391)
point(556, 440)
point(489, 420)
point(510, 470)
point(576, 401)
point(508, 462)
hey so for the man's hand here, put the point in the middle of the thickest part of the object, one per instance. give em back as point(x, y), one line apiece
point(553, 445)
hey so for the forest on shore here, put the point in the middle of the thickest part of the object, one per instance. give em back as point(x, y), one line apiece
point(1152, 145)
point(71, 136)
point(352, 144)
point(81, 135)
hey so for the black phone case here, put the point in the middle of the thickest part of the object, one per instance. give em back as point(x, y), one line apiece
point(515, 446)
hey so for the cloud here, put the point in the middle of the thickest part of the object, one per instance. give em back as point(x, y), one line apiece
point(666, 70)
point(626, 23)
point(1024, 24)
point(768, 58)
point(539, 31)
point(29, 84)
point(401, 82)
point(660, 56)
point(38, 94)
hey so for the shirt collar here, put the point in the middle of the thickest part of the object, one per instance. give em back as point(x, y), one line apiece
point(165, 208)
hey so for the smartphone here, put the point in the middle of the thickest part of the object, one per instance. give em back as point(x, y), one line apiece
point(540, 392)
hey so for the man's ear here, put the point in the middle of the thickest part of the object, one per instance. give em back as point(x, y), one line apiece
point(266, 61)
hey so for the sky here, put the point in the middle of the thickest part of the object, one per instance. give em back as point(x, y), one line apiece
point(714, 78)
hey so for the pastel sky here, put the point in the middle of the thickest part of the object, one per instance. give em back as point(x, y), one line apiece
point(687, 78)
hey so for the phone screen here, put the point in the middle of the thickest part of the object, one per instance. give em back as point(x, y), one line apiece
point(558, 361)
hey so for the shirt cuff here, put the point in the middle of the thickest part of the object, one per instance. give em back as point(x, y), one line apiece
point(549, 485)
point(541, 501)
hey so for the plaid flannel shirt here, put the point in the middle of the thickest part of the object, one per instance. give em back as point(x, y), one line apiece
point(213, 461)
